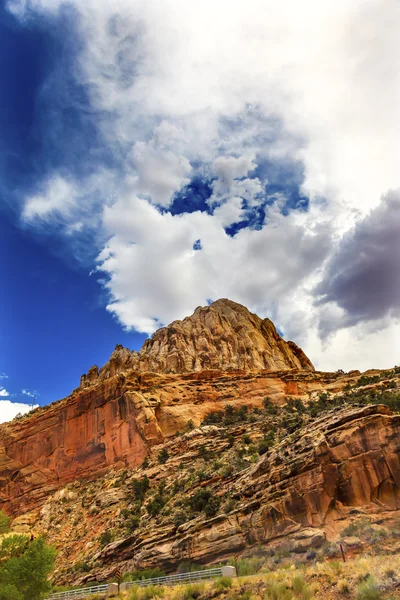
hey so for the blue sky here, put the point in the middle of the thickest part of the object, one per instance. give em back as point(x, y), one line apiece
point(54, 325)
point(156, 157)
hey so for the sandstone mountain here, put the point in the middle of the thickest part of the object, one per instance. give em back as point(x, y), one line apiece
point(233, 437)
point(223, 336)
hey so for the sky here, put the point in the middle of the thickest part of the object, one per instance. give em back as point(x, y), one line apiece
point(156, 156)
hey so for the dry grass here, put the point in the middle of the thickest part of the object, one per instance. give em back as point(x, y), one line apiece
point(361, 578)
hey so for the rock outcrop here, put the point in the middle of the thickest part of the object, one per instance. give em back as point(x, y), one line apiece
point(223, 336)
point(303, 491)
point(116, 421)
point(73, 465)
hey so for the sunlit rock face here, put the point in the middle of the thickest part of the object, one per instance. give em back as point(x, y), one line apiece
point(223, 336)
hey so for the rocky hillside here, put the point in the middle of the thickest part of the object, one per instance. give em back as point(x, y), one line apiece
point(118, 420)
point(222, 336)
point(282, 480)
point(252, 447)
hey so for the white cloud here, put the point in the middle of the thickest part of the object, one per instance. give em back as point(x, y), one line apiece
point(57, 198)
point(3, 392)
point(218, 88)
point(8, 410)
point(29, 393)
point(160, 173)
point(159, 275)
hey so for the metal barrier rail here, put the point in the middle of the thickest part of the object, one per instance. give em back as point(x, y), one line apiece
point(178, 578)
point(111, 589)
point(80, 593)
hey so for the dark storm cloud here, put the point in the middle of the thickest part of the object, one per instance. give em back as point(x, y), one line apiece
point(363, 277)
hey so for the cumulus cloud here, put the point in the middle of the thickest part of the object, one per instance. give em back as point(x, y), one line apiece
point(159, 277)
point(160, 173)
point(3, 392)
point(9, 410)
point(220, 90)
point(361, 282)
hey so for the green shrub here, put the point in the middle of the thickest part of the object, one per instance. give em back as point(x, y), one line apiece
point(105, 538)
point(203, 500)
point(139, 575)
point(156, 505)
point(4, 522)
point(133, 522)
point(266, 443)
point(248, 566)
point(199, 500)
point(229, 505)
point(146, 593)
point(140, 487)
point(24, 568)
point(277, 591)
point(368, 590)
point(180, 517)
point(224, 583)
point(269, 407)
point(343, 587)
point(163, 456)
point(212, 507)
point(300, 588)
point(193, 591)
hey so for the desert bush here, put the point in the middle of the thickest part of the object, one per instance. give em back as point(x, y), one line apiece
point(390, 573)
point(248, 566)
point(133, 522)
point(163, 456)
point(140, 487)
point(4, 522)
point(336, 566)
point(212, 507)
point(203, 500)
point(343, 587)
point(301, 589)
point(266, 443)
point(155, 505)
point(245, 595)
point(139, 575)
point(180, 517)
point(105, 538)
point(146, 593)
point(269, 407)
point(278, 591)
point(368, 590)
point(223, 583)
point(192, 591)
point(229, 505)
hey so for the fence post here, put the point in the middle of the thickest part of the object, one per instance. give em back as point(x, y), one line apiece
point(228, 572)
point(112, 589)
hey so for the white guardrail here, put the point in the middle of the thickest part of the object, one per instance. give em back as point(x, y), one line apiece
point(100, 590)
point(111, 589)
point(182, 577)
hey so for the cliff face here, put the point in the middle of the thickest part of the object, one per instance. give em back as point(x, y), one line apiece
point(304, 490)
point(73, 464)
point(117, 420)
point(223, 336)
